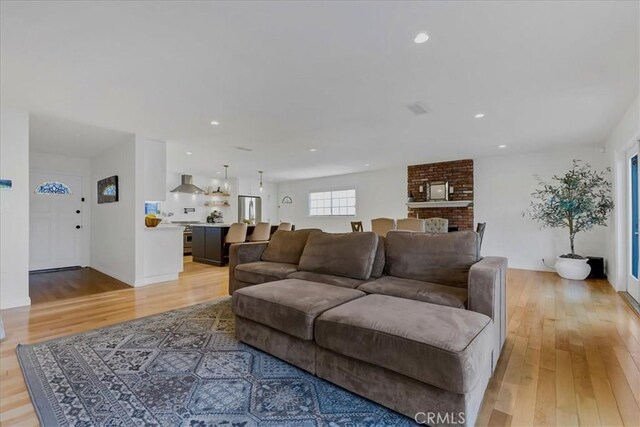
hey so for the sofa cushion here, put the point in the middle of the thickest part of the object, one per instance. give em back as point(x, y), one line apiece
point(290, 305)
point(438, 258)
point(378, 261)
point(340, 254)
point(434, 293)
point(446, 347)
point(329, 279)
point(287, 246)
point(263, 272)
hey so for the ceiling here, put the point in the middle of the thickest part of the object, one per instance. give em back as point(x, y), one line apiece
point(285, 77)
point(49, 134)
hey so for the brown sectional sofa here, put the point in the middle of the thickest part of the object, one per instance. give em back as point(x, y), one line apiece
point(415, 321)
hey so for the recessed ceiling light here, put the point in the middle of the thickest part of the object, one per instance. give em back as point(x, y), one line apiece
point(188, 152)
point(421, 38)
point(366, 164)
point(502, 146)
point(313, 149)
point(215, 123)
point(479, 116)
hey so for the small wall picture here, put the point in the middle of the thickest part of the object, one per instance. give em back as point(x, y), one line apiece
point(438, 191)
point(108, 190)
point(6, 184)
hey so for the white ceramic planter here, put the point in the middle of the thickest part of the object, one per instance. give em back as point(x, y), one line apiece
point(574, 269)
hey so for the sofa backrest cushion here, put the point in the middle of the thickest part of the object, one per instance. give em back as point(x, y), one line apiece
point(340, 254)
point(378, 262)
point(438, 258)
point(287, 246)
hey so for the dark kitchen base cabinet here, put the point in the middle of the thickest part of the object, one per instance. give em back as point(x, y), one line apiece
point(208, 245)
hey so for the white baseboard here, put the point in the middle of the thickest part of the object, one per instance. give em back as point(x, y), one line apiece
point(113, 274)
point(14, 302)
point(156, 279)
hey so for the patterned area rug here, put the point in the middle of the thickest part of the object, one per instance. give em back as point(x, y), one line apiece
point(182, 368)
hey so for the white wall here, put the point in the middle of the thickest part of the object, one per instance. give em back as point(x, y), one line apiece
point(155, 169)
point(113, 225)
point(14, 209)
point(503, 187)
point(381, 193)
point(57, 164)
point(618, 143)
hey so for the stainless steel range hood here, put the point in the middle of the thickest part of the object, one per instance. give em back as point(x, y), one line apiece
point(187, 186)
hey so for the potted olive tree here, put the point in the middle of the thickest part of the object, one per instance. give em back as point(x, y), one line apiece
point(578, 200)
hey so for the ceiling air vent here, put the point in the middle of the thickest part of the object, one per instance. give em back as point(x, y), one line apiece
point(243, 148)
point(417, 108)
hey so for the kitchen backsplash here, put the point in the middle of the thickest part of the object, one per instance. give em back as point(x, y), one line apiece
point(176, 203)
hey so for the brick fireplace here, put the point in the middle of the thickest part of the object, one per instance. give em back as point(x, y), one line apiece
point(459, 174)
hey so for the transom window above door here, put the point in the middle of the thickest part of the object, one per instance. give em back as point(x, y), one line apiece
point(333, 203)
point(52, 187)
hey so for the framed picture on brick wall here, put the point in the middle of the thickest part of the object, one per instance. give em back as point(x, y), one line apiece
point(437, 191)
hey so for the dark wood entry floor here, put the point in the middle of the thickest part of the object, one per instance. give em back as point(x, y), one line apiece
point(58, 285)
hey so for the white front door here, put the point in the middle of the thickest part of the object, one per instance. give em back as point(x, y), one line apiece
point(55, 223)
point(633, 239)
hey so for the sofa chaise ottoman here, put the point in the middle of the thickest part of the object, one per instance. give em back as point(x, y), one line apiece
point(407, 355)
point(279, 317)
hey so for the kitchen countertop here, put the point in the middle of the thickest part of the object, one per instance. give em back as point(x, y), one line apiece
point(162, 226)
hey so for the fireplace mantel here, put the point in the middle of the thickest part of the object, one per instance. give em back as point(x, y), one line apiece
point(441, 204)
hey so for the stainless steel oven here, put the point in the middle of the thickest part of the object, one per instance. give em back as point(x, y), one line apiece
point(186, 240)
point(187, 235)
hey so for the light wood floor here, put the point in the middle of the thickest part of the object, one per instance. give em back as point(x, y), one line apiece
point(572, 354)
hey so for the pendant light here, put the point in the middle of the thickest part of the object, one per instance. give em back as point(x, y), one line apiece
point(226, 178)
point(261, 188)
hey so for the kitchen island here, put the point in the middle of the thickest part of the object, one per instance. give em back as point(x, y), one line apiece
point(207, 242)
point(162, 254)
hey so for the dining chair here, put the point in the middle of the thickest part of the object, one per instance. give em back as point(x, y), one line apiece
point(285, 226)
point(356, 226)
point(436, 225)
point(381, 226)
point(261, 232)
point(411, 224)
